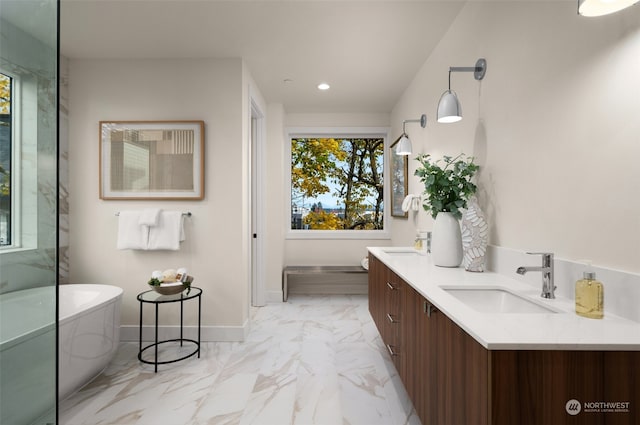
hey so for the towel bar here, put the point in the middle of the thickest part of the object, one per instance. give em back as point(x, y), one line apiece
point(188, 213)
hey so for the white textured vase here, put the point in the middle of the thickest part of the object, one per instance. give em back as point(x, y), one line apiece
point(475, 235)
point(446, 242)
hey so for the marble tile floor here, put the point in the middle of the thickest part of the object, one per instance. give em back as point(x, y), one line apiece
point(313, 360)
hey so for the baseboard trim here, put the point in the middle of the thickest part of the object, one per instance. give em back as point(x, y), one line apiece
point(274, 296)
point(207, 333)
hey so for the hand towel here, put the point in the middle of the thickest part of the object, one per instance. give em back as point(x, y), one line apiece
point(149, 217)
point(131, 235)
point(411, 203)
point(168, 233)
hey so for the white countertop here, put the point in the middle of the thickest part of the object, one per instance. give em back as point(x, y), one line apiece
point(560, 330)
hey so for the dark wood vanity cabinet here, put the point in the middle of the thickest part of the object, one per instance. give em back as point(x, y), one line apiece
point(452, 379)
point(384, 305)
point(418, 367)
point(441, 365)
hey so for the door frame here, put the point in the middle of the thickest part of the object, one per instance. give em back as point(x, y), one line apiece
point(257, 230)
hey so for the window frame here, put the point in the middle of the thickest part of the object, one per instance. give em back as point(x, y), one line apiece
point(16, 160)
point(24, 219)
point(336, 132)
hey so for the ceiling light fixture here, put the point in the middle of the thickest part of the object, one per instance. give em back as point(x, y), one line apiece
point(403, 144)
point(449, 109)
point(323, 86)
point(602, 7)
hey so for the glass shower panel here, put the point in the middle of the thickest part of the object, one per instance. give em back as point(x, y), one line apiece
point(28, 210)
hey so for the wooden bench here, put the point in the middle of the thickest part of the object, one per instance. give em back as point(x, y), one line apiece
point(314, 270)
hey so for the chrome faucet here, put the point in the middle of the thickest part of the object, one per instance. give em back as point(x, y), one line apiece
point(548, 286)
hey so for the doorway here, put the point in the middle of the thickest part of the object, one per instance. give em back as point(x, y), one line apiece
point(257, 141)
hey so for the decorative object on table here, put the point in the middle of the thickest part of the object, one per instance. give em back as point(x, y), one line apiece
point(174, 164)
point(475, 236)
point(170, 281)
point(446, 246)
point(447, 187)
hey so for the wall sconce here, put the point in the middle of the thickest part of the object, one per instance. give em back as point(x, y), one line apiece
point(449, 109)
point(403, 146)
point(602, 7)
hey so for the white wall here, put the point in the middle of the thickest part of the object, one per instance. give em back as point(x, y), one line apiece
point(274, 232)
point(215, 250)
point(553, 125)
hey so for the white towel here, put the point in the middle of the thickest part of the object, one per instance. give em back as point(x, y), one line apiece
point(411, 203)
point(131, 235)
point(168, 233)
point(149, 217)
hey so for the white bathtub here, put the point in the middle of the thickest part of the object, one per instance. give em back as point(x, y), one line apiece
point(89, 332)
point(28, 354)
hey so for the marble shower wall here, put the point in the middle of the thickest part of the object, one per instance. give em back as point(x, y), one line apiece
point(63, 174)
point(34, 65)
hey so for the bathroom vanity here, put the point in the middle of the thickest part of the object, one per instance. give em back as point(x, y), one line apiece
point(481, 348)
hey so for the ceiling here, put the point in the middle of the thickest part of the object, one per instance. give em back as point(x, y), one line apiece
point(368, 51)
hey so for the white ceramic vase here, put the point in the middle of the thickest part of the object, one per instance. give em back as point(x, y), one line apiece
point(446, 242)
point(475, 236)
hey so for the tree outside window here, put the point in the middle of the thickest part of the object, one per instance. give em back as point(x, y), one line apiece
point(337, 183)
point(5, 159)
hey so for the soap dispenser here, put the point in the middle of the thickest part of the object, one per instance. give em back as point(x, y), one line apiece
point(590, 296)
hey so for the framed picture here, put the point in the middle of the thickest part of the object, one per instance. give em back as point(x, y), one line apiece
point(152, 160)
point(399, 169)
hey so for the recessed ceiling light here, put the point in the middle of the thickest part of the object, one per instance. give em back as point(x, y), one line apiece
point(323, 86)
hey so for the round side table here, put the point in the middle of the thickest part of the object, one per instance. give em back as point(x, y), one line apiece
point(152, 297)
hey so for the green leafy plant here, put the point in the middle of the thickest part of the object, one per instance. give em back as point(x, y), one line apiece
point(154, 282)
point(447, 183)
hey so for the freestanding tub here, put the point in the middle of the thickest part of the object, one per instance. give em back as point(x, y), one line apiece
point(89, 332)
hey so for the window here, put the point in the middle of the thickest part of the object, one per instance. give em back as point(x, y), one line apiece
point(18, 174)
point(6, 152)
point(337, 185)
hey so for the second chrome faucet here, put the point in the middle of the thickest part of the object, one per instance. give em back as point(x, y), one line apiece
point(548, 285)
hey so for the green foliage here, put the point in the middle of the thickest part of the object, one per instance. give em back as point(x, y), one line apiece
point(447, 187)
point(313, 161)
point(5, 94)
point(5, 108)
point(154, 282)
point(322, 220)
point(5, 182)
point(353, 166)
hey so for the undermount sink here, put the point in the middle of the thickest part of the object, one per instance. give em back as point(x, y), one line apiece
point(496, 300)
point(401, 252)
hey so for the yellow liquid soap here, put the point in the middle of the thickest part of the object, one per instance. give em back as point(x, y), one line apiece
point(590, 297)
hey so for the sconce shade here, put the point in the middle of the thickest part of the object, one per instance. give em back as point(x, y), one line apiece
point(449, 109)
point(602, 7)
point(404, 146)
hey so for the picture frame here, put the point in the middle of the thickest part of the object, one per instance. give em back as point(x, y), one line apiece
point(151, 160)
point(399, 169)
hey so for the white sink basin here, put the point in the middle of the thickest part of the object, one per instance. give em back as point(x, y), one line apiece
point(497, 300)
point(403, 252)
